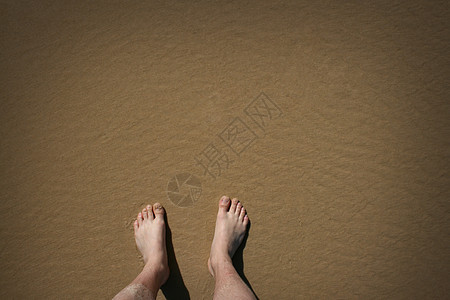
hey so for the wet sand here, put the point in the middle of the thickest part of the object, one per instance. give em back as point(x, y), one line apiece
point(330, 122)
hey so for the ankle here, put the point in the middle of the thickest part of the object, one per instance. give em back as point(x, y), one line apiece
point(221, 263)
point(155, 275)
point(155, 266)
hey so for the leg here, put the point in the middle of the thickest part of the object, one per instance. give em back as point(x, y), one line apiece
point(150, 235)
point(231, 225)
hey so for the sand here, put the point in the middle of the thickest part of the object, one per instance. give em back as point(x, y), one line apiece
point(329, 121)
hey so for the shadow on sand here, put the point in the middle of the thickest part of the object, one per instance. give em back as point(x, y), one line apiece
point(174, 288)
point(238, 260)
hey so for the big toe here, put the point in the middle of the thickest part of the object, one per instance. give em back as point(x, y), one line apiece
point(158, 209)
point(224, 204)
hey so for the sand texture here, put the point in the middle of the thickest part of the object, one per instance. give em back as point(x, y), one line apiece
point(329, 120)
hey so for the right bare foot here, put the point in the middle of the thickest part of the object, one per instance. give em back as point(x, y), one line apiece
point(231, 225)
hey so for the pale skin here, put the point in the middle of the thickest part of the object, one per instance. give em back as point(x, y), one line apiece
point(150, 235)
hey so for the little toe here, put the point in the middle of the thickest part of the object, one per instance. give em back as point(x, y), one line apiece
point(246, 220)
point(139, 218)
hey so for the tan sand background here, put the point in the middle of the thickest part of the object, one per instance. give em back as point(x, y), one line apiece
point(103, 102)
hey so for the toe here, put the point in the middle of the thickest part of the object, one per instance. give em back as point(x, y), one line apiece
point(224, 204)
point(151, 216)
point(158, 209)
point(234, 203)
point(144, 214)
point(238, 208)
point(242, 214)
point(245, 222)
point(139, 218)
point(136, 226)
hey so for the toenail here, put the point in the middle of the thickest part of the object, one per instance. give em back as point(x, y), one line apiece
point(225, 199)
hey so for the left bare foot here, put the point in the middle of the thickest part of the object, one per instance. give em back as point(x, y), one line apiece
point(150, 235)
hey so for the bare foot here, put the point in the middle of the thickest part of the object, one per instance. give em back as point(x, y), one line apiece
point(231, 225)
point(150, 235)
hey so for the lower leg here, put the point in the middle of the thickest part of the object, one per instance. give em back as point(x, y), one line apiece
point(135, 291)
point(149, 229)
point(230, 229)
